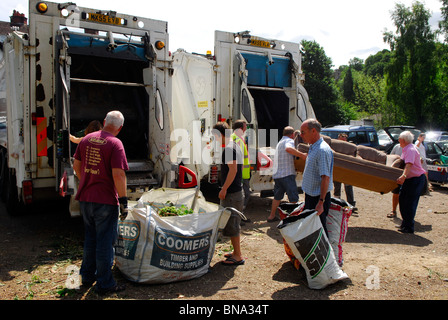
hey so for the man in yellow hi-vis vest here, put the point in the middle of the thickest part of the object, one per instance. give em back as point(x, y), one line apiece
point(239, 128)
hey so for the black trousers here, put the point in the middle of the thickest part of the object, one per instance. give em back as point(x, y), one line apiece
point(311, 203)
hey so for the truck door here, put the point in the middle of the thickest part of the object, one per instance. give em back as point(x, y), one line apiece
point(304, 110)
point(62, 114)
point(62, 108)
point(247, 107)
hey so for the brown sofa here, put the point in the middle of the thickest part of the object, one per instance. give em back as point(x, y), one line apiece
point(360, 166)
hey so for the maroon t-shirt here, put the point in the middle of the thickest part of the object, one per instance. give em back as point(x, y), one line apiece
point(99, 152)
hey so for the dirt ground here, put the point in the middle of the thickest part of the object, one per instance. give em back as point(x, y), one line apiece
point(38, 249)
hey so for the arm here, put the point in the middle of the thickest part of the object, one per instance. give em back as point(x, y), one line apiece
point(325, 182)
point(77, 168)
point(233, 168)
point(296, 153)
point(120, 182)
point(406, 170)
point(75, 139)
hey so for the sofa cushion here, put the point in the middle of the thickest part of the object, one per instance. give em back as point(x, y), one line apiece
point(372, 154)
point(344, 147)
point(399, 163)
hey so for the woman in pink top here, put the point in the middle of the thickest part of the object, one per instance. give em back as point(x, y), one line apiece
point(412, 182)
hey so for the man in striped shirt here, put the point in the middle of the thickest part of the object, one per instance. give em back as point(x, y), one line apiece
point(318, 173)
point(284, 172)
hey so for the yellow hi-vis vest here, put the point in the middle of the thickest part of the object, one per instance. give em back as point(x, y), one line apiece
point(246, 164)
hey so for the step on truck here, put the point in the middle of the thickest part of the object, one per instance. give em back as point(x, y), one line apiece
point(73, 66)
point(252, 78)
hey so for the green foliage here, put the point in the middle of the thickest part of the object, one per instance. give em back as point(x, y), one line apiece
point(347, 87)
point(376, 64)
point(411, 72)
point(171, 210)
point(443, 24)
point(407, 84)
point(320, 84)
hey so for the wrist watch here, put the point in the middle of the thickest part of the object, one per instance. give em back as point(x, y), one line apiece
point(321, 199)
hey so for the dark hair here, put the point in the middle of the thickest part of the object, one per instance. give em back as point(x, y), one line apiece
point(288, 131)
point(93, 126)
point(221, 127)
point(238, 124)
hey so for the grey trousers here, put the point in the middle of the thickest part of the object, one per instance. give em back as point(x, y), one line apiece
point(348, 192)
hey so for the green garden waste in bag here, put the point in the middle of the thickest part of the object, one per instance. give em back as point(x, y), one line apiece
point(154, 249)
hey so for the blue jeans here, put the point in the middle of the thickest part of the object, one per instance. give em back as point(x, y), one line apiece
point(286, 184)
point(408, 200)
point(101, 231)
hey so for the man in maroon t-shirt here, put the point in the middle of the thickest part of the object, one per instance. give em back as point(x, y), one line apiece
point(100, 164)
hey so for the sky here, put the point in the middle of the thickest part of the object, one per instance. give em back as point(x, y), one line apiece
point(343, 28)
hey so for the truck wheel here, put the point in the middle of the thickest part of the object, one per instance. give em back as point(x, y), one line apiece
point(13, 205)
point(3, 171)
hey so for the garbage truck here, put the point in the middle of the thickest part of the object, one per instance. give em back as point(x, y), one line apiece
point(252, 78)
point(73, 66)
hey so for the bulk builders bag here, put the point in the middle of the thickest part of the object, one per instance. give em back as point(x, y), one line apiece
point(337, 226)
point(154, 249)
point(288, 210)
point(306, 238)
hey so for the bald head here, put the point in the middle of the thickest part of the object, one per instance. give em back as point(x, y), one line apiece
point(310, 130)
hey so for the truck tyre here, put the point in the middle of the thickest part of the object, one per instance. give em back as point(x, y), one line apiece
point(14, 206)
point(3, 173)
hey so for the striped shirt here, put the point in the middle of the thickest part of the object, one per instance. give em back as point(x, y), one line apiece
point(319, 162)
point(284, 161)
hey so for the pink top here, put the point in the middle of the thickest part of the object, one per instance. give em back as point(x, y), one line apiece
point(411, 155)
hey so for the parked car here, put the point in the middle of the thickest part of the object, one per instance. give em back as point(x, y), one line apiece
point(444, 145)
point(436, 135)
point(394, 132)
point(383, 139)
point(359, 135)
point(433, 150)
point(2, 131)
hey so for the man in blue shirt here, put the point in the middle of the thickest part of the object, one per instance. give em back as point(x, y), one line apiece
point(318, 173)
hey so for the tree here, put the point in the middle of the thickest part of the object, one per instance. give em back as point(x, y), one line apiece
point(357, 64)
point(320, 84)
point(411, 72)
point(443, 24)
point(347, 86)
point(376, 64)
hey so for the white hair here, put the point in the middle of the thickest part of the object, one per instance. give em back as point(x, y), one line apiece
point(407, 136)
point(114, 118)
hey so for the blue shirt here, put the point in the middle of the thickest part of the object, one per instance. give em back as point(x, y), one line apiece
point(319, 162)
point(284, 161)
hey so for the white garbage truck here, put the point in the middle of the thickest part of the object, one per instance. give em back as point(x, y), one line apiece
point(252, 78)
point(73, 66)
